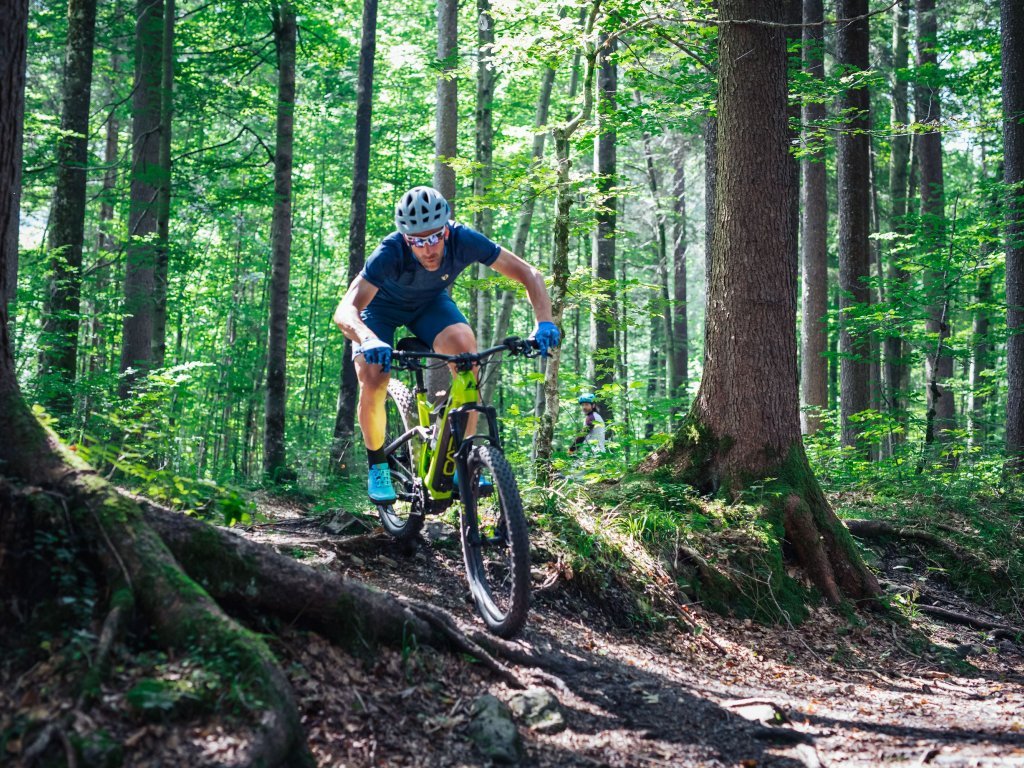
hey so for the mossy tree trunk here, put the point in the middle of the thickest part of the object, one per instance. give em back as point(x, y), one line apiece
point(744, 425)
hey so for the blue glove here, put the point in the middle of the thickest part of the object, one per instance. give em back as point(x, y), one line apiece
point(547, 336)
point(376, 352)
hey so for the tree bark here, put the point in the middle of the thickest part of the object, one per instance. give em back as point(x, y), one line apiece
point(446, 136)
point(561, 135)
point(981, 359)
point(601, 368)
point(61, 313)
point(744, 425)
point(1012, 16)
point(344, 422)
point(483, 217)
point(280, 246)
point(13, 34)
point(163, 211)
point(710, 128)
point(852, 169)
point(680, 327)
point(896, 372)
point(446, 126)
point(140, 257)
point(814, 285)
point(489, 378)
point(939, 363)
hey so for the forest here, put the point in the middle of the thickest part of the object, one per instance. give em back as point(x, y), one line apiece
point(783, 242)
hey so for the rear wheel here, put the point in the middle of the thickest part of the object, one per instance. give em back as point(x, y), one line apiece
point(403, 519)
point(496, 543)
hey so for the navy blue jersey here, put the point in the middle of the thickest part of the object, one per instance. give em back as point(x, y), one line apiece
point(403, 283)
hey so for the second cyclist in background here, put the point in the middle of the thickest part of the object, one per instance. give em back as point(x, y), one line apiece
point(592, 438)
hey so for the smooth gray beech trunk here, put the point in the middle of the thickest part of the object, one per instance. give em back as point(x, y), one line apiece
point(895, 372)
point(814, 285)
point(67, 216)
point(163, 212)
point(280, 246)
point(1012, 17)
point(927, 109)
point(601, 366)
point(141, 252)
point(853, 172)
point(344, 422)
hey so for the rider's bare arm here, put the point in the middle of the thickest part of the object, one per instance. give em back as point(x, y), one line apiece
point(346, 316)
point(511, 266)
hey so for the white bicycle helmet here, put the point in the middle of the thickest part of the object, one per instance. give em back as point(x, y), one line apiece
point(421, 209)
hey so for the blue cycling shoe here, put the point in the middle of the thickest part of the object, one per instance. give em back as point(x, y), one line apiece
point(379, 484)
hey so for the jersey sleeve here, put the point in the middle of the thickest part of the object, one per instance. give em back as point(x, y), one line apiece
point(474, 247)
point(383, 264)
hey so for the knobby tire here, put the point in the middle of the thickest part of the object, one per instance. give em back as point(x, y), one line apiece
point(496, 543)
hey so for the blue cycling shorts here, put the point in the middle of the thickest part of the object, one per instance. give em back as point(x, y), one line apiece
point(426, 322)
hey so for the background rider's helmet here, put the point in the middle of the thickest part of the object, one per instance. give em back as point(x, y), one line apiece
point(421, 209)
point(587, 397)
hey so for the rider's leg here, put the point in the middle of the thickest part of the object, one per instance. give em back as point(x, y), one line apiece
point(373, 391)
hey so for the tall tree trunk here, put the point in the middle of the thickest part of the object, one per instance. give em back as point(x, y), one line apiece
point(745, 421)
point(601, 369)
point(13, 33)
point(895, 371)
point(489, 378)
point(280, 246)
point(446, 126)
point(814, 285)
point(344, 422)
point(852, 168)
point(663, 354)
point(483, 218)
point(141, 256)
point(710, 128)
point(562, 134)
point(445, 134)
point(163, 212)
point(67, 216)
point(105, 242)
point(981, 360)
point(939, 363)
point(680, 327)
point(1012, 17)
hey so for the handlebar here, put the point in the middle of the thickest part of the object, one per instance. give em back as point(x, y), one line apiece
point(464, 361)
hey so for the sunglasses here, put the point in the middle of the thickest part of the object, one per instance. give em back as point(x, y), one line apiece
point(424, 242)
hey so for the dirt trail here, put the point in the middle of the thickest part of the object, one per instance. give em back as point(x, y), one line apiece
point(830, 692)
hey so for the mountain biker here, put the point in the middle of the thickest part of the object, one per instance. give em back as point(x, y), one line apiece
point(404, 283)
point(593, 435)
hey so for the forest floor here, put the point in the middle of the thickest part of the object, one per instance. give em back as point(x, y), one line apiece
point(864, 689)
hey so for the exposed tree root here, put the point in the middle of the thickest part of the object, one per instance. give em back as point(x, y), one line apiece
point(878, 529)
point(1000, 631)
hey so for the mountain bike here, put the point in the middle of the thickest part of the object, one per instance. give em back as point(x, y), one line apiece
point(433, 450)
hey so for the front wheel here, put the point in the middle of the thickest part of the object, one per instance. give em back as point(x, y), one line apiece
point(403, 519)
point(495, 542)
